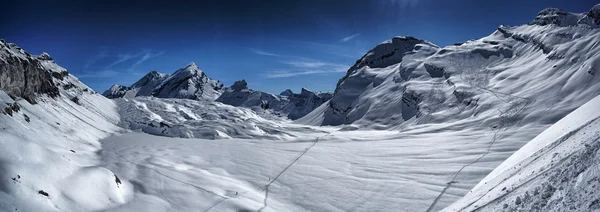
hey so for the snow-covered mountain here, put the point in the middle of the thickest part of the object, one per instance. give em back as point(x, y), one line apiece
point(191, 83)
point(51, 124)
point(188, 82)
point(404, 81)
point(286, 104)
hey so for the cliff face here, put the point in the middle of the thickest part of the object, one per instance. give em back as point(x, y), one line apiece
point(23, 75)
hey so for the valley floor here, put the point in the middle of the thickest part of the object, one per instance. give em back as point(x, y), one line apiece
point(324, 169)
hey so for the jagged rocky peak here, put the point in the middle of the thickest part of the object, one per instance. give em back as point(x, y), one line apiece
point(152, 76)
point(23, 75)
point(44, 56)
point(306, 93)
point(239, 85)
point(287, 92)
point(188, 82)
point(555, 16)
point(189, 69)
point(594, 14)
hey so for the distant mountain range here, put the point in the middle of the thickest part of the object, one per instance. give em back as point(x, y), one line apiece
point(190, 82)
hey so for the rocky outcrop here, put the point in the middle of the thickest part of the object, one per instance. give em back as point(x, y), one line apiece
point(23, 75)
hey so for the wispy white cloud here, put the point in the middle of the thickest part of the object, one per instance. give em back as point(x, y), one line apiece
point(100, 74)
point(264, 53)
point(306, 64)
point(346, 39)
point(287, 73)
point(299, 68)
point(91, 69)
point(146, 56)
point(102, 54)
point(122, 58)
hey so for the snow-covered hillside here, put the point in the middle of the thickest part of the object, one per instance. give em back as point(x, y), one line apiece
point(287, 104)
point(188, 82)
point(50, 127)
point(558, 170)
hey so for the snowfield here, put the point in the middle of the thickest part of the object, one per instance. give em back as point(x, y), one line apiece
point(509, 122)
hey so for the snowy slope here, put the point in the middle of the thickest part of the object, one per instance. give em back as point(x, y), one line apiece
point(188, 82)
point(557, 170)
point(287, 104)
point(51, 125)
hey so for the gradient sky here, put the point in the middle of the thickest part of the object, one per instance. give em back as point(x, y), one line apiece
point(274, 45)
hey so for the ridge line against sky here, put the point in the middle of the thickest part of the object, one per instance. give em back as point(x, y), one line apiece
point(274, 45)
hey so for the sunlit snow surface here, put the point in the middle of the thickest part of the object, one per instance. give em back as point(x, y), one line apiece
point(421, 134)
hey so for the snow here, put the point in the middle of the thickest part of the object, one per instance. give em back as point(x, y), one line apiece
point(556, 170)
point(198, 119)
point(416, 128)
point(55, 152)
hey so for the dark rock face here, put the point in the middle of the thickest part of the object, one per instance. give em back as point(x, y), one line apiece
point(594, 13)
point(550, 16)
point(239, 85)
point(22, 75)
point(287, 92)
point(10, 108)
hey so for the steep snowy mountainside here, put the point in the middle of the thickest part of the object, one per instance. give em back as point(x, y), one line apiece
point(286, 104)
point(408, 81)
point(188, 82)
point(51, 124)
point(557, 170)
point(185, 118)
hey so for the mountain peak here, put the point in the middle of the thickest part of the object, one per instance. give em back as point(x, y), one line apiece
point(239, 85)
point(287, 92)
point(191, 65)
point(188, 70)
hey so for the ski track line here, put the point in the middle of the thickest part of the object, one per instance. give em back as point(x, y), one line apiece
point(500, 128)
point(266, 189)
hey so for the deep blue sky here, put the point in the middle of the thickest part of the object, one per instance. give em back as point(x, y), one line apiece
point(274, 45)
